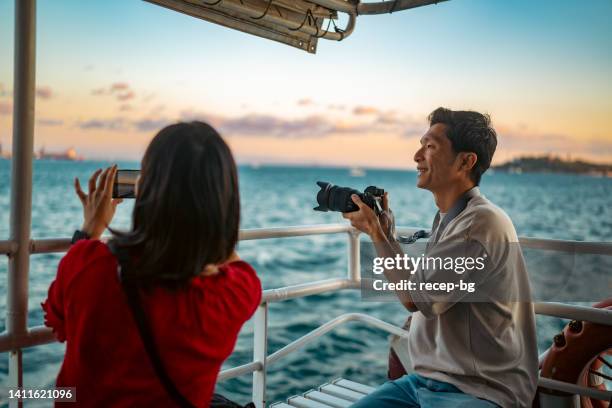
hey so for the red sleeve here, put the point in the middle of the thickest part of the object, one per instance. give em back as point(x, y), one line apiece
point(54, 306)
point(246, 286)
point(234, 294)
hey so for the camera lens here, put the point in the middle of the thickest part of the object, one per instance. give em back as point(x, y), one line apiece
point(335, 198)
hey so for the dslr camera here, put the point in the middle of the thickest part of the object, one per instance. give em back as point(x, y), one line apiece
point(335, 198)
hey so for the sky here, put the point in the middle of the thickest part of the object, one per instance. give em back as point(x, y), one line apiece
point(111, 73)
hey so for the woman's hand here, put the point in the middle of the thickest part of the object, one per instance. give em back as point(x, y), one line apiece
point(98, 205)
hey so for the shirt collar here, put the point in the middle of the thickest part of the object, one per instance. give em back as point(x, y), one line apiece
point(456, 208)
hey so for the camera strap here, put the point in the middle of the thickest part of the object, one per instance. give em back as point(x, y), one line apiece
point(403, 239)
point(144, 329)
point(455, 210)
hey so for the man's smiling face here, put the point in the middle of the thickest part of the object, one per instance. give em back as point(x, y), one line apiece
point(436, 159)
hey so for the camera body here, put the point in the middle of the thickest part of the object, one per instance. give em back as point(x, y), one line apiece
point(335, 198)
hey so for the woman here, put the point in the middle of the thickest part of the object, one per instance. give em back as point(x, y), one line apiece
point(180, 267)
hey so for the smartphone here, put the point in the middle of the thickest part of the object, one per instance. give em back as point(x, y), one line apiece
point(125, 183)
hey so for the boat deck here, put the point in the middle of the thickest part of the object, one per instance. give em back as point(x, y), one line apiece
point(340, 393)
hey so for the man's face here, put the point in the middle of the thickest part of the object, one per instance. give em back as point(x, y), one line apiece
point(436, 160)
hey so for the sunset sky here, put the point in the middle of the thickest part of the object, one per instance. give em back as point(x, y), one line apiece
point(112, 73)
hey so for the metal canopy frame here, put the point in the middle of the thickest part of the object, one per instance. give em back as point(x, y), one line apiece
point(298, 23)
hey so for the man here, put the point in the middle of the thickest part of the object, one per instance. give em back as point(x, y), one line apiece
point(464, 353)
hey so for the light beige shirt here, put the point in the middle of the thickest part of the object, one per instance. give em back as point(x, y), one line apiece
point(486, 349)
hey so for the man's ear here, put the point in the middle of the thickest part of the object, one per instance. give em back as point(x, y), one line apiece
point(467, 160)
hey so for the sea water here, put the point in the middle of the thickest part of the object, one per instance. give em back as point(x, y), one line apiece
point(556, 206)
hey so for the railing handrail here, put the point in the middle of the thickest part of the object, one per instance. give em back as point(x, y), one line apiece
point(52, 245)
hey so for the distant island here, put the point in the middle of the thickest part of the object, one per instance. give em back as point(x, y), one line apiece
point(551, 164)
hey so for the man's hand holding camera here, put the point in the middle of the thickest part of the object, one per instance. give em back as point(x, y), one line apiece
point(379, 228)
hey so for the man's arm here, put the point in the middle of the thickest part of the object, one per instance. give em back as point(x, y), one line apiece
point(366, 221)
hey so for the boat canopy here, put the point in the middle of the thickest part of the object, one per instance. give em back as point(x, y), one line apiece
point(299, 23)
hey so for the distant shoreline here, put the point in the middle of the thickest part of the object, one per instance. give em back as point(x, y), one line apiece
point(556, 165)
point(526, 164)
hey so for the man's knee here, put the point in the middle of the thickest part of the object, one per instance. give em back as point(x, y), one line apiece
point(400, 392)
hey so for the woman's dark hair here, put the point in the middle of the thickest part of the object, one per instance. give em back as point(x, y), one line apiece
point(469, 131)
point(187, 209)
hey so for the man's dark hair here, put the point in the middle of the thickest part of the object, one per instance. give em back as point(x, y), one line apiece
point(187, 209)
point(469, 131)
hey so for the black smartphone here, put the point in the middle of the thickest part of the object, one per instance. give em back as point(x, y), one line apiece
point(125, 183)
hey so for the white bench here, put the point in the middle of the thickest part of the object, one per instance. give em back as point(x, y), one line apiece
point(339, 393)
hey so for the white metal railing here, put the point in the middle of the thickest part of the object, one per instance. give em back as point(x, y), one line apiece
point(261, 360)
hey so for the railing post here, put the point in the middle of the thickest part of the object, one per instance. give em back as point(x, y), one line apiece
point(354, 263)
point(24, 83)
point(15, 368)
point(260, 353)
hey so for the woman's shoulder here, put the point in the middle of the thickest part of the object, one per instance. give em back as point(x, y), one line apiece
point(88, 250)
point(86, 253)
point(236, 285)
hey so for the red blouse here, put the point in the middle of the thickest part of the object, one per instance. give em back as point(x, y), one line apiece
point(195, 330)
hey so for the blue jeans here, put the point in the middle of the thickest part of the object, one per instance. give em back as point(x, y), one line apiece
point(415, 391)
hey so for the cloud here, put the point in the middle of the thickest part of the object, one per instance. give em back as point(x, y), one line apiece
point(3, 91)
point(121, 90)
point(149, 125)
point(125, 108)
point(106, 124)
point(119, 86)
point(157, 110)
point(122, 124)
point(314, 126)
point(44, 92)
point(191, 114)
point(305, 102)
point(600, 147)
point(260, 125)
point(413, 129)
point(126, 96)
point(88, 67)
point(310, 127)
point(365, 110)
point(388, 118)
point(6, 108)
point(149, 97)
point(268, 125)
point(50, 122)
point(519, 140)
point(336, 107)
